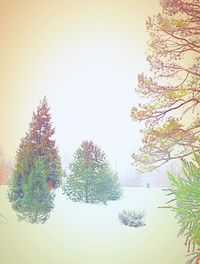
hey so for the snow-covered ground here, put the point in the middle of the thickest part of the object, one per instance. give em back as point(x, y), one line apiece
point(78, 233)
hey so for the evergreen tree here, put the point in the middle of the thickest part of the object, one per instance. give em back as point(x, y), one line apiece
point(91, 180)
point(42, 144)
point(35, 201)
point(36, 145)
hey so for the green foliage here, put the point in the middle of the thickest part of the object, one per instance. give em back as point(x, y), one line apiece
point(42, 144)
point(91, 180)
point(186, 193)
point(37, 169)
point(38, 143)
point(33, 201)
point(132, 218)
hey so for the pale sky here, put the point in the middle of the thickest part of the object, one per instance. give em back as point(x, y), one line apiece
point(85, 57)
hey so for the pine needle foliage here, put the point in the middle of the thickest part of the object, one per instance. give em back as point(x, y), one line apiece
point(90, 179)
point(35, 201)
point(186, 204)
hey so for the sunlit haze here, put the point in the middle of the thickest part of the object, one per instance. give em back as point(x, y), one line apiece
point(85, 57)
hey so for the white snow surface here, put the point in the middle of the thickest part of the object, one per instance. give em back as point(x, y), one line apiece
point(79, 233)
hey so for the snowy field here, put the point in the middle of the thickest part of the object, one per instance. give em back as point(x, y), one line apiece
point(78, 233)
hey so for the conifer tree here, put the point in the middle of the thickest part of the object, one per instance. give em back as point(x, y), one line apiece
point(42, 144)
point(37, 144)
point(91, 180)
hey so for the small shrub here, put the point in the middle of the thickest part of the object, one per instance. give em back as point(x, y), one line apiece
point(132, 218)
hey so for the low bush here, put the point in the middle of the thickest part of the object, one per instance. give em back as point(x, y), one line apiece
point(132, 218)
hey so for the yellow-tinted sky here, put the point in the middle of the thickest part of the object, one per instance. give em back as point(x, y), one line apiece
point(85, 56)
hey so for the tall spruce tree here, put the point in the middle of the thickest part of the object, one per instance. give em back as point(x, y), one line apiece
point(91, 180)
point(37, 144)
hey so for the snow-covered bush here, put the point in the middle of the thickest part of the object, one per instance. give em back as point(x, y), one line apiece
point(132, 218)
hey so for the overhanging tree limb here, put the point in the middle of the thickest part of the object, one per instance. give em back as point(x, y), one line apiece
point(172, 91)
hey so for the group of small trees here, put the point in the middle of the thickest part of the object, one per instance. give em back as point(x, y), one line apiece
point(38, 172)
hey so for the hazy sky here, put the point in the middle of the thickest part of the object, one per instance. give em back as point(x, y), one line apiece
point(85, 56)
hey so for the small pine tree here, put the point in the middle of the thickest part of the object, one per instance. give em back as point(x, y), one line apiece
point(91, 180)
point(35, 202)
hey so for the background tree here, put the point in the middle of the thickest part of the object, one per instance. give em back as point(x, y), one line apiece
point(2, 172)
point(6, 168)
point(35, 202)
point(91, 180)
point(2, 180)
point(171, 108)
